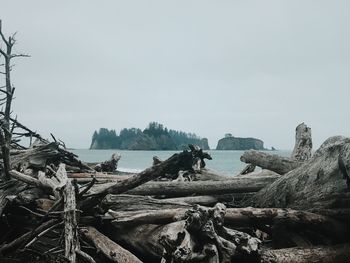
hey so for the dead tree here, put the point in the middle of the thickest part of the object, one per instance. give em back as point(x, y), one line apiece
point(8, 91)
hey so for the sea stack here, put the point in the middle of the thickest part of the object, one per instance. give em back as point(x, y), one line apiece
point(230, 142)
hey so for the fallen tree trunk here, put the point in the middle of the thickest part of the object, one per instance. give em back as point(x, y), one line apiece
point(320, 183)
point(282, 165)
point(110, 249)
point(240, 217)
point(177, 162)
point(235, 185)
point(273, 162)
point(202, 237)
point(326, 254)
point(126, 202)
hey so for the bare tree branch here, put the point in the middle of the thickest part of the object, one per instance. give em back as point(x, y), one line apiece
point(5, 126)
point(20, 56)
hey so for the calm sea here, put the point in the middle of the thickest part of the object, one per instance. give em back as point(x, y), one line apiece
point(226, 162)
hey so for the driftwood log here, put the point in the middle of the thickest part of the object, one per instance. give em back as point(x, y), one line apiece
point(244, 217)
point(174, 164)
point(319, 183)
point(170, 226)
point(125, 202)
point(282, 165)
point(273, 162)
point(330, 254)
point(173, 189)
point(48, 216)
point(110, 249)
point(110, 165)
point(201, 237)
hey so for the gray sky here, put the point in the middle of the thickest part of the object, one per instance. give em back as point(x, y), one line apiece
point(251, 68)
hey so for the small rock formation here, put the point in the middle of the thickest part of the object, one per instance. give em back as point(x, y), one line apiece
point(236, 143)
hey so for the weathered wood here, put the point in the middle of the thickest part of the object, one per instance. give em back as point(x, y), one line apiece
point(235, 185)
point(10, 188)
point(36, 156)
point(204, 200)
point(303, 143)
point(282, 165)
point(317, 184)
point(110, 249)
point(163, 216)
point(342, 214)
point(70, 222)
point(85, 256)
point(44, 204)
point(330, 254)
point(238, 217)
point(201, 238)
point(273, 162)
point(99, 176)
point(125, 202)
point(177, 162)
point(28, 179)
point(249, 168)
point(110, 165)
point(56, 182)
point(83, 178)
point(27, 236)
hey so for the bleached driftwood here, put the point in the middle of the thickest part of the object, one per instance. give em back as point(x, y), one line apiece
point(319, 183)
point(273, 162)
point(325, 254)
point(70, 221)
point(282, 165)
point(232, 186)
point(110, 249)
point(303, 143)
point(125, 202)
point(202, 237)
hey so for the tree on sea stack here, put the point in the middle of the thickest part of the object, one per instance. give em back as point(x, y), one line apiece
point(6, 45)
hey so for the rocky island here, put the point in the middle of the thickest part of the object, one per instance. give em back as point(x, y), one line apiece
point(230, 142)
point(154, 137)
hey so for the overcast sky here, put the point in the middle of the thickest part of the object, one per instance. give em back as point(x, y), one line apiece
point(250, 68)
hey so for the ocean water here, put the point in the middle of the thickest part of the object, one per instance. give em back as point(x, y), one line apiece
point(226, 162)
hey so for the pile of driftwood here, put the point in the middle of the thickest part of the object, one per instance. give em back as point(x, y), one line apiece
point(55, 208)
